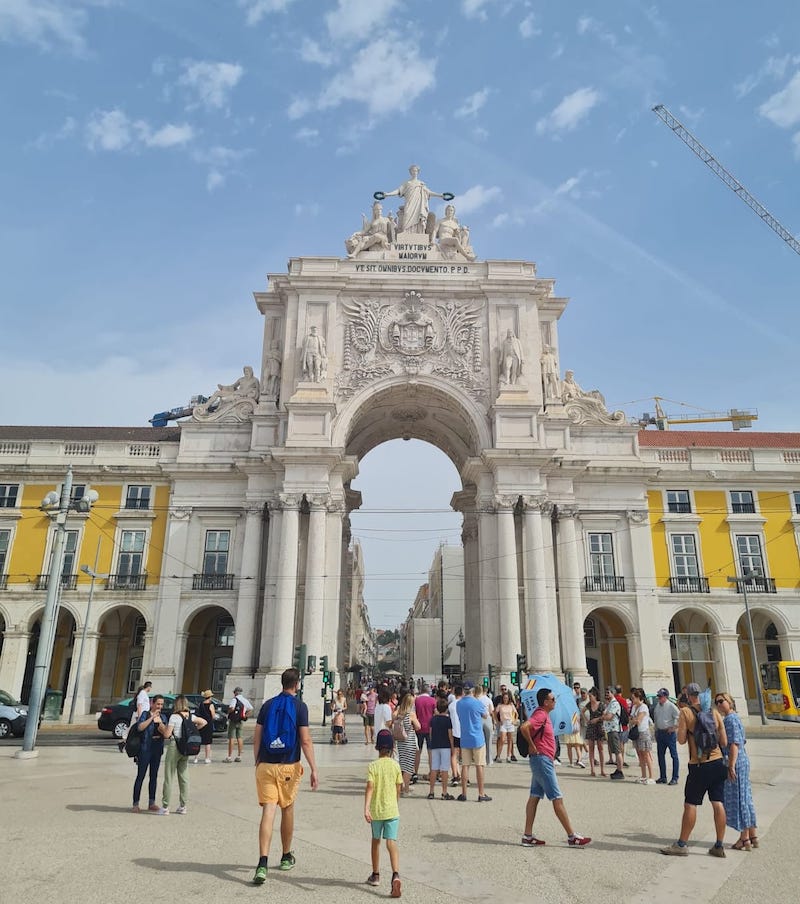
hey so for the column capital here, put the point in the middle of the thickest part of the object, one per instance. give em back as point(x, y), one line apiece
point(486, 505)
point(318, 500)
point(288, 501)
point(504, 502)
point(336, 506)
point(540, 503)
point(568, 511)
point(637, 516)
point(469, 531)
point(252, 507)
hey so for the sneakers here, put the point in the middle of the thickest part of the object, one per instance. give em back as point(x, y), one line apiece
point(206, 762)
point(661, 781)
point(578, 840)
point(557, 761)
point(237, 759)
point(513, 758)
point(497, 759)
point(396, 886)
point(617, 775)
point(717, 851)
point(135, 809)
point(261, 875)
point(287, 862)
point(581, 765)
point(676, 850)
point(462, 797)
point(163, 811)
point(674, 781)
point(531, 841)
point(181, 811)
point(154, 808)
point(228, 759)
point(483, 798)
point(195, 761)
point(374, 879)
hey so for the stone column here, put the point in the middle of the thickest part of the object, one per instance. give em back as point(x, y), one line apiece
point(539, 605)
point(472, 607)
point(246, 603)
point(268, 612)
point(507, 584)
point(569, 597)
point(333, 582)
point(487, 564)
point(728, 668)
point(315, 575)
point(286, 585)
point(83, 699)
point(13, 659)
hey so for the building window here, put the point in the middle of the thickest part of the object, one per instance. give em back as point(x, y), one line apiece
point(222, 665)
point(601, 556)
point(589, 633)
point(215, 554)
point(742, 502)
point(134, 674)
point(137, 497)
point(131, 553)
point(795, 502)
point(5, 542)
point(9, 493)
point(684, 555)
point(748, 548)
point(70, 550)
point(678, 502)
point(139, 631)
point(226, 632)
point(78, 492)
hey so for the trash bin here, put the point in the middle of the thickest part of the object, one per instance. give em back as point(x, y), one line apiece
point(51, 711)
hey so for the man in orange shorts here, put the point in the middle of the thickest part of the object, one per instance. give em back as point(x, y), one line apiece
point(280, 735)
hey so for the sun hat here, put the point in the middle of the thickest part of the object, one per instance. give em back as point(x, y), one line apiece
point(208, 694)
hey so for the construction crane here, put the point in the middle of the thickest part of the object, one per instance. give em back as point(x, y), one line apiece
point(731, 181)
point(739, 418)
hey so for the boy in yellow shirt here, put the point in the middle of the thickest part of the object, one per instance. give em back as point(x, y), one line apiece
point(381, 810)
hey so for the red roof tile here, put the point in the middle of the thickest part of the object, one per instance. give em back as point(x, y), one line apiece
point(718, 439)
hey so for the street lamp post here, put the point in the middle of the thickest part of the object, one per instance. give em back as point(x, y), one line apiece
point(743, 582)
point(93, 573)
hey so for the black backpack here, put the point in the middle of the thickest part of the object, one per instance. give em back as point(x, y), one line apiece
point(236, 714)
point(624, 717)
point(133, 742)
point(189, 742)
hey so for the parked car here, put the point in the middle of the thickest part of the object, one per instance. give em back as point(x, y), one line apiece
point(13, 716)
point(116, 717)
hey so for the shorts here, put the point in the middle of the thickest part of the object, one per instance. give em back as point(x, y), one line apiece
point(506, 728)
point(473, 756)
point(423, 738)
point(386, 828)
point(440, 759)
point(543, 777)
point(456, 742)
point(643, 742)
point(234, 730)
point(614, 741)
point(278, 783)
point(705, 778)
point(369, 719)
point(338, 729)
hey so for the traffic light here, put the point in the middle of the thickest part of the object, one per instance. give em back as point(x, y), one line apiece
point(514, 677)
point(311, 665)
point(491, 673)
point(485, 681)
point(299, 660)
point(326, 678)
point(323, 664)
point(331, 678)
point(522, 663)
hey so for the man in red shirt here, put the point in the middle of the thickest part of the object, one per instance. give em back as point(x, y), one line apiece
point(424, 706)
point(538, 732)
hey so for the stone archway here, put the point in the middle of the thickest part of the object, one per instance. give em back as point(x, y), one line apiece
point(607, 653)
point(209, 637)
point(120, 642)
point(693, 635)
point(768, 627)
point(60, 662)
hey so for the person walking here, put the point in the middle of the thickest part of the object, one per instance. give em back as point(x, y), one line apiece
point(382, 810)
point(642, 743)
point(369, 701)
point(441, 748)
point(151, 727)
point(595, 735)
point(278, 767)
point(239, 709)
point(424, 708)
point(176, 764)
point(404, 727)
point(707, 775)
point(538, 732)
point(665, 718)
point(740, 812)
point(207, 711)
point(473, 744)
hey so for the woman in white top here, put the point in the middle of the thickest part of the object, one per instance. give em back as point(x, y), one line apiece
point(383, 712)
point(640, 717)
point(176, 764)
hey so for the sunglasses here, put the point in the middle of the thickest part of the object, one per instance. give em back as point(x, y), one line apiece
point(721, 700)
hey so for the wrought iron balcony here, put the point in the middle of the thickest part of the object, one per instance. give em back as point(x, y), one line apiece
point(679, 508)
point(212, 582)
point(603, 583)
point(743, 508)
point(689, 584)
point(126, 582)
point(68, 581)
point(758, 584)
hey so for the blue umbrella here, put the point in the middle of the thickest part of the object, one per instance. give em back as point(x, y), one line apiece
point(565, 717)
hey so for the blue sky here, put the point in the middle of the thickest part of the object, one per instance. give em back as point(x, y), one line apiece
point(159, 157)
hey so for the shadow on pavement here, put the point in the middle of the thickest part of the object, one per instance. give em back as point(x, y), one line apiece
point(98, 808)
point(218, 870)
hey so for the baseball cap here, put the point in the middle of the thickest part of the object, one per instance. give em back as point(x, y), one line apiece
point(384, 740)
point(693, 689)
point(468, 685)
point(662, 692)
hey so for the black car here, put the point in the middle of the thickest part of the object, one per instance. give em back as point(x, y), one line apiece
point(116, 717)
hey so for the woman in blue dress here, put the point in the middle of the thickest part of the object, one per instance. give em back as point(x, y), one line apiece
point(740, 814)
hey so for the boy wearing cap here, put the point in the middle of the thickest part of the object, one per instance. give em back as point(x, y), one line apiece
point(381, 809)
point(665, 717)
point(238, 711)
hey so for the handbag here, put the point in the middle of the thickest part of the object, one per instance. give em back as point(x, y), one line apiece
point(633, 733)
point(398, 731)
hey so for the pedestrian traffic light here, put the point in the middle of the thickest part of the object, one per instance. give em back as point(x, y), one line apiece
point(491, 673)
point(522, 663)
point(326, 677)
point(311, 665)
point(331, 678)
point(299, 660)
point(323, 664)
point(514, 677)
point(485, 681)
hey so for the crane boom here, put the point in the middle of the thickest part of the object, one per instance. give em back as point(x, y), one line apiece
point(731, 181)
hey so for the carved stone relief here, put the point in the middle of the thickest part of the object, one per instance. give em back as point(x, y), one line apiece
point(587, 407)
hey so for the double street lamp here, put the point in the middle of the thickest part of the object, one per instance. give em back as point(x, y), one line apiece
point(743, 583)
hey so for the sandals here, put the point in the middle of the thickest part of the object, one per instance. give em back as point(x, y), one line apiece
point(446, 797)
point(431, 796)
point(741, 845)
point(754, 841)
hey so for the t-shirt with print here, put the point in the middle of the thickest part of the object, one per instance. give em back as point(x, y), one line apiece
point(470, 717)
point(542, 734)
point(440, 726)
point(612, 706)
point(384, 775)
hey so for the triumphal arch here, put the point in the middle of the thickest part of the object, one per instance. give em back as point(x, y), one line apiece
point(409, 333)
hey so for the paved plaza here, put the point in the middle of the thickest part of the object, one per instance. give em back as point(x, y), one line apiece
point(67, 831)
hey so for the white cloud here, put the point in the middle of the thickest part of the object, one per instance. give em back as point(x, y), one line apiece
point(474, 9)
point(48, 139)
point(299, 107)
point(112, 130)
point(691, 116)
point(211, 83)
point(307, 136)
point(387, 76)
point(527, 27)
point(214, 180)
point(472, 104)
point(773, 68)
point(44, 23)
point(587, 25)
point(476, 197)
point(569, 113)
point(255, 10)
point(568, 186)
point(311, 52)
point(356, 20)
point(783, 108)
point(584, 24)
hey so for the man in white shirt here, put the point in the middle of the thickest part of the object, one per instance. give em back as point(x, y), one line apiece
point(238, 710)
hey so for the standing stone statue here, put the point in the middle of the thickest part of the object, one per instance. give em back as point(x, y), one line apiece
point(550, 378)
point(510, 359)
point(272, 370)
point(415, 211)
point(379, 233)
point(315, 357)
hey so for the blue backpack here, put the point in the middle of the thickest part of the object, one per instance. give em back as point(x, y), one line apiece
point(704, 733)
point(279, 732)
